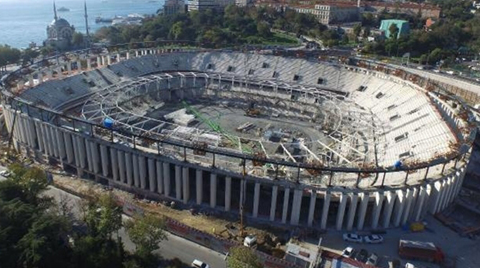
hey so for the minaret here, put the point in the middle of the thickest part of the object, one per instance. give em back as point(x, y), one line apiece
point(87, 41)
point(55, 11)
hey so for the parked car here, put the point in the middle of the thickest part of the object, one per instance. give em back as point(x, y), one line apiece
point(373, 239)
point(348, 252)
point(352, 238)
point(199, 264)
point(362, 255)
point(372, 260)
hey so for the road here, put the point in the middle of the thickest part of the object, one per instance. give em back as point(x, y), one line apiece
point(175, 246)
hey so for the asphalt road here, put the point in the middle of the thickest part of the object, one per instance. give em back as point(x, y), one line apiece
point(175, 246)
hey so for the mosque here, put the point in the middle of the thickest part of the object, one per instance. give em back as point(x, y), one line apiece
point(60, 32)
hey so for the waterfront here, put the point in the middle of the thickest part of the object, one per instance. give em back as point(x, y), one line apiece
point(25, 21)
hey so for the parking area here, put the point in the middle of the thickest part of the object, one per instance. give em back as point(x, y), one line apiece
point(461, 250)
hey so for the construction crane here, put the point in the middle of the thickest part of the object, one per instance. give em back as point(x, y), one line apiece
point(216, 127)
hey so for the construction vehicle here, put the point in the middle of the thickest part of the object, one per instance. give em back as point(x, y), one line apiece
point(252, 111)
point(423, 251)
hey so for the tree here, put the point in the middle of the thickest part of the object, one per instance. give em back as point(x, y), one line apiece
point(78, 39)
point(241, 257)
point(357, 29)
point(8, 55)
point(146, 232)
point(103, 216)
point(393, 29)
point(28, 55)
point(177, 29)
point(33, 181)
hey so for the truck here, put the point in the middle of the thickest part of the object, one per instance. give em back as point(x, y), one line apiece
point(422, 251)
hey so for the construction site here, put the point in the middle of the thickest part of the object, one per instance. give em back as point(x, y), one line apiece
point(275, 140)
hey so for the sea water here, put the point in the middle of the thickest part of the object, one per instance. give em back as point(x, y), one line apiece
point(25, 21)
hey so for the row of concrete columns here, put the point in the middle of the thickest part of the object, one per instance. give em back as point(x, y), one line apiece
point(390, 207)
point(101, 60)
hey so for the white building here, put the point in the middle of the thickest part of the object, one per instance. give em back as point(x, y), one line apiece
point(208, 4)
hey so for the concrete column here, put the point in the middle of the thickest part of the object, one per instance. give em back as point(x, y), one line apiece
point(46, 143)
point(436, 197)
point(428, 189)
point(68, 147)
point(199, 182)
point(136, 171)
point(213, 190)
point(38, 131)
point(136, 53)
point(40, 78)
point(127, 56)
point(256, 199)
point(296, 206)
point(152, 175)
point(377, 209)
point(326, 206)
point(228, 193)
point(62, 153)
point(142, 168)
point(419, 204)
point(451, 190)
point(88, 149)
point(166, 179)
point(109, 60)
point(99, 61)
point(53, 139)
point(352, 211)
point(399, 208)
point(79, 65)
point(30, 81)
point(95, 157)
point(69, 67)
point(104, 156)
point(114, 163)
point(76, 151)
point(89, 64)
point(122, 166)
point(129, 166)
point(60, 73)
point(410, 196)
point(160, 177)
point(273, 204)
point(341, 210)
point(31, 122)
point(387, 213)
point(83, 155)
point(118, 57)
point(362, 211)
point(178, 182)
point(446, 189)
point(186, 185)
point(286, 199)
point(311, 208)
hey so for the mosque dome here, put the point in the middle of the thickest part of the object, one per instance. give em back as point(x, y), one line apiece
point(61, 23)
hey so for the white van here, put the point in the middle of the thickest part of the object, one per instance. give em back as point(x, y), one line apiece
point(199, 264)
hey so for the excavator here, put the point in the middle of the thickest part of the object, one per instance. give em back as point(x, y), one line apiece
point(252, 111)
